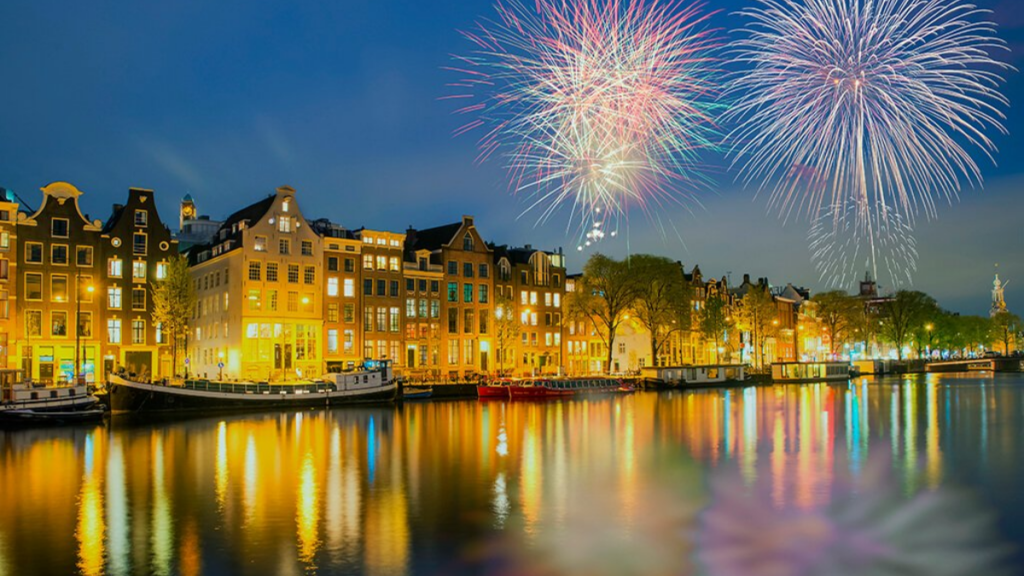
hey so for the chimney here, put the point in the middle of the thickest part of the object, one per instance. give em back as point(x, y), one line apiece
point(746, 278)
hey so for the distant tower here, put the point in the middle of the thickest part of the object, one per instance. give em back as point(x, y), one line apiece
point(868, 287)
point(998, 302)
point(188, 211)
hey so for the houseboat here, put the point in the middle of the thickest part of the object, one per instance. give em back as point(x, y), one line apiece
point(375, 382)
point(540, 388)
point(23, 401)
point(710, 376)
point(806, 372)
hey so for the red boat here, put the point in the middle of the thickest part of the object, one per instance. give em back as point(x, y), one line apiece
point(538, 389)
point(490, 391)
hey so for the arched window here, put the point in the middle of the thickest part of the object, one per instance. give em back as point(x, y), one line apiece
point(467, 242)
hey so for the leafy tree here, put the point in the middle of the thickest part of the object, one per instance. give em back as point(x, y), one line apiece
point(662, 299)
point(976, 331)
point(759, 316)
point(174, 299)
point(506, 328)
point(603, 296)
point(902, 315)
point(841, 314)
point(713, 320)
point(1003, 330)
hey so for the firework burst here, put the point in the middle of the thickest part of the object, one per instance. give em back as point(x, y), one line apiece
point(870, 104)
point(598, 105)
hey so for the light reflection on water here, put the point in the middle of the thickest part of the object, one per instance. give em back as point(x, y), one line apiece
point(607, 485)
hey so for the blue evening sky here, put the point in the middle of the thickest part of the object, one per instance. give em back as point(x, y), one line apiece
point(229, 99)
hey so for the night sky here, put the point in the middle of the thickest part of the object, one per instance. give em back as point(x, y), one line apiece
point(227, 100)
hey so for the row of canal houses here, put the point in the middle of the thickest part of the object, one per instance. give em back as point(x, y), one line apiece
point(280, 296)
point(283, 297)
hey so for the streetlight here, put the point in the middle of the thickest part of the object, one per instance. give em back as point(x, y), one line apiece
point(220, 365)
point(78, 322)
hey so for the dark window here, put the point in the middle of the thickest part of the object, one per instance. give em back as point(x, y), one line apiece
point(394, 288)
point(34, 252)
point(453, 321)
point(59, 227)
point(423, 285)
point(435, 286)
point(467, 242)
point(467, 270)
point(382, 287)
point(368, 287)
point(139, 244)
point(332, 264)
point(350, 264)
point(453, 268)
point(410, 285)
point(484, 271)
point(59, 254)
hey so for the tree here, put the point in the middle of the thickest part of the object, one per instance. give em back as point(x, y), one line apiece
point(506, 328)
point(976, 331)
point(662, 298)
point(713, 320)
point(1003, 330)
point(840, 313)
point(760, 317)
point(174, 299)
point(603, 296)
point(903, 314)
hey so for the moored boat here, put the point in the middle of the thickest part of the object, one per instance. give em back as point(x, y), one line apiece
point(21, 399)
point(809, 372)
point(375, 383)
point(417, 393)
point(494, 390)
point(44, 418)
point(562, 387)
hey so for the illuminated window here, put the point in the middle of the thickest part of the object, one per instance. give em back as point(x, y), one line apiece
point(395, 319)
point(393, 264)
point(382, 262)
point(59, 288)
point(271, 300)
point(332, 286)
point(59, 323)
point(161, 271)
point(293, 301)
point(382, 319)
point(254, 299)
point(349, 342)
point(34, 323)
point(367, 262)
point(138, 331)
point(33, 286)
point(332, 312)
point(284, 224)
point(260, 244)
point(435, 309)
point(139, 270)
point(423, 308)
point(332, 341)
point(114, 331)
point(349, 289)
point(114, 298)
point(85, 324)
point(558, 300)
point(453, 291)
point(410, 307)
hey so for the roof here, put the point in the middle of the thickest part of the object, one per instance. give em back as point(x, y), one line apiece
point(431, 238)
point(251, 213)
point(187, 198)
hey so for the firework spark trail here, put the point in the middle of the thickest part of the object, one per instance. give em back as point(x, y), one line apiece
point(598, 105)
point(843, 244)
point(877, 100)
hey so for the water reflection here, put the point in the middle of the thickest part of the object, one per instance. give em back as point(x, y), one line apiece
point(597, 486)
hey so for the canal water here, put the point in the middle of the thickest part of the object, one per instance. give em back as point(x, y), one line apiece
point(922, 475)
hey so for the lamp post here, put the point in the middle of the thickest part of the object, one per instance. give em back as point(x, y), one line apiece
point(78, 322)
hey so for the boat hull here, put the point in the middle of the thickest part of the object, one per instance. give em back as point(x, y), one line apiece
point(43, 405)
point(537, 393)
point(126, 396)
point(492, 391)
